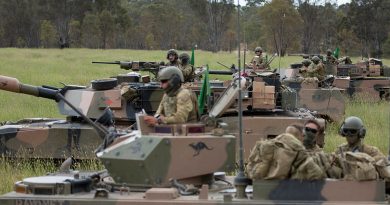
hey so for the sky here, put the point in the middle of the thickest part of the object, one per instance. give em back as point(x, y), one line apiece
point(339, 2)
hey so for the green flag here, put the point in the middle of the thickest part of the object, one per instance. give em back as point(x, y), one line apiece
point(193, 57)
point(336, 52)
point(204, 92)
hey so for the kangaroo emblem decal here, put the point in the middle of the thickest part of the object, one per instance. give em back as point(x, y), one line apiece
point(198, 147)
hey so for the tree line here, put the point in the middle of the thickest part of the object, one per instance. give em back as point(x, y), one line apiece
point(360, 27)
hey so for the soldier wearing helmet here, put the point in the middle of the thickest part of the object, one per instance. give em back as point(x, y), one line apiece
point(186, 68)
point(330, 59)
point(259, 61)
point(173, 58)
point(178, 104)
point(305, 67)
point(316, 69)
point(354, 131)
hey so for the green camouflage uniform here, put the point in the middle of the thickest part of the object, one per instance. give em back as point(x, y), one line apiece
point(188, 72)
point(331, 59)
point(180, 107)
point(370, 150)
point(304, 72)
point(316, 70)
point(259, 63)
point(175, 63)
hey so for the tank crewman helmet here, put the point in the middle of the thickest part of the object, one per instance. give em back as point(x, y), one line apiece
point(352, 126)
point(258, 49)
point(172, 52)
point(315, 59)
point(184, 58)
point(173, 75)
point(306, 62)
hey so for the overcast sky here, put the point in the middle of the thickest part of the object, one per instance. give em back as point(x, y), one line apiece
point(339, 2)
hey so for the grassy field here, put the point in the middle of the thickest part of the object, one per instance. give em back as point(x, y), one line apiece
point(73, 66)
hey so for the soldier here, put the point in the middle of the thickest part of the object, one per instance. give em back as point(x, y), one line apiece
point(185, 67)
point(305, 67)
point(345, 60)
point(330, 58)
point(258, 62)
point(316, 69)
point(178, 104)
point(354, 131)
point(311, 132)
point(172, 57)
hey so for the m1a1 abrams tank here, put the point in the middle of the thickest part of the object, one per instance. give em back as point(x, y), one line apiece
point(180, 164)
point(59, 138)
point(368, 79)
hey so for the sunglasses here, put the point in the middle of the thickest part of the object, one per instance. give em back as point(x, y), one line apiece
point(349, 132)
point(163, 81)
point(308, 129)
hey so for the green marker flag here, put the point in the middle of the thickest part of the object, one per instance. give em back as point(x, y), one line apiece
point(204, 92)
point(193, 57)
point(336, 52)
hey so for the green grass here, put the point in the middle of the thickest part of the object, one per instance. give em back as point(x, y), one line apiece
point(73, 66)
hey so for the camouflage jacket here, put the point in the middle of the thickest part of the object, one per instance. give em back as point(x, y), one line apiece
point(176, 63)
point(259, 62)
point(370, 150)
point(331, 59)
point(303, 71)
point(188, 72)
point(317, 71)
point(180, 108)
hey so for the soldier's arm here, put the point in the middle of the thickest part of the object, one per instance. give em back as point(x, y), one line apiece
point(375, 153)
point(183, 108)
point(160, 109)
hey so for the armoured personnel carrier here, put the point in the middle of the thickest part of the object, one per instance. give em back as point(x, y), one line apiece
point(180, 164)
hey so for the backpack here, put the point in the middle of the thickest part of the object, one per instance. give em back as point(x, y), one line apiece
point(272, 159)
point(359, 166)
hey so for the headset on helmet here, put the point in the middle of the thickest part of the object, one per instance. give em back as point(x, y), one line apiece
point(173, 75)
point(352, 126)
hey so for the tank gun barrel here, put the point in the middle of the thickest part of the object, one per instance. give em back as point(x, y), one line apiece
point(221, 72)
point(13, 85)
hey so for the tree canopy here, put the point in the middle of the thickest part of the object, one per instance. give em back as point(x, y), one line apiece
point(360, 27)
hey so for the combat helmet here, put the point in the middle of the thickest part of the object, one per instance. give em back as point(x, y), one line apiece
point(352, 126)
point(306, 62)
point(184, 58)
point(258, 49)
point(173, 75)
point(315, 59)
point(329, 52)
point(172, 52)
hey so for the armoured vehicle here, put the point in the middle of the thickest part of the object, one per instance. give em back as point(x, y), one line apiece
point(60, 138)
point(265, 115)
point(368, 79)
point(268, 106)
point(180, 164)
